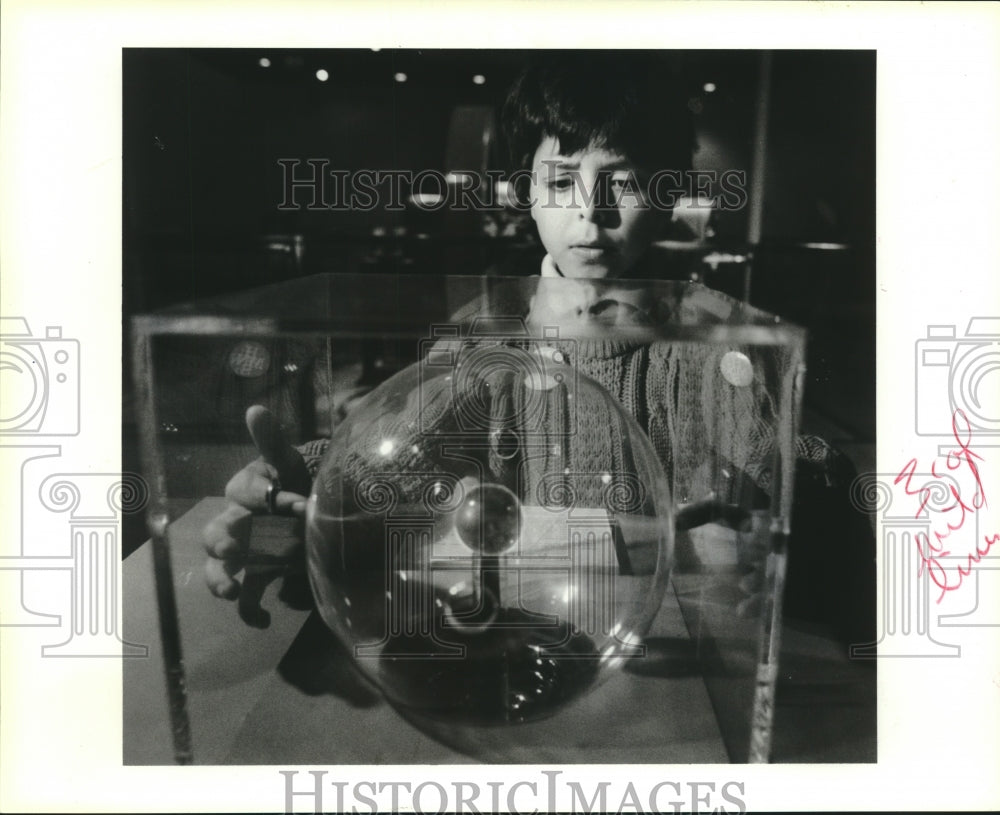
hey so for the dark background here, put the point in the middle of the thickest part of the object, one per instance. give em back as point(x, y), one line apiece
point(203, 131)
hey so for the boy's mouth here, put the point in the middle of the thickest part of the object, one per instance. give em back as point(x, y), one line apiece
point(591, 251)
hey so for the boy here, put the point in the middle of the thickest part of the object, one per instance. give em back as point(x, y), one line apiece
point(594, 131)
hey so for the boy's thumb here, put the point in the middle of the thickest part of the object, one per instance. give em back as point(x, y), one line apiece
point(275, 449)
point(267, 435)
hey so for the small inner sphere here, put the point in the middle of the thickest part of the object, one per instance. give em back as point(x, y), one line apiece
point(489, 519)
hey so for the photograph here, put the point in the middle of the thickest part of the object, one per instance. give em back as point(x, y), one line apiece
point(504, 407)
point(610, 312)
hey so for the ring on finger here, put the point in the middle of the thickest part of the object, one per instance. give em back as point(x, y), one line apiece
point(271, 496)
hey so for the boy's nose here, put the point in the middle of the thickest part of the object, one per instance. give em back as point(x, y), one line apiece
point(600, 206)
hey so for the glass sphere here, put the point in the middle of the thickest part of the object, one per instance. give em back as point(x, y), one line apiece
point(490, 534)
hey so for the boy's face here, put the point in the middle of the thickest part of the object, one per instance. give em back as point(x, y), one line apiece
point(591, 210)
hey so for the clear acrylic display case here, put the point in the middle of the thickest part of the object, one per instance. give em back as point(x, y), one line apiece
point(600, 526)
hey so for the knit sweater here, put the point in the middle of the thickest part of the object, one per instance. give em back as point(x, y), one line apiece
point(716, 433)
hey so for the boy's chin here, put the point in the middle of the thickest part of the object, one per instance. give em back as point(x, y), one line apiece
point(587, 271)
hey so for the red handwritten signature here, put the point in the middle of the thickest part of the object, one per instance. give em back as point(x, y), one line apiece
point(930, 552)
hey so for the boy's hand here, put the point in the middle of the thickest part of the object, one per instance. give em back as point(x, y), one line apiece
point(227, 536)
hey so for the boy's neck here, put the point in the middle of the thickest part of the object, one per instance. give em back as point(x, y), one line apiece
point(653, 265)
point(588, 305)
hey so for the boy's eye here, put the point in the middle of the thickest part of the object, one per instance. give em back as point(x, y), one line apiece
point(625, 183)
point(560, 182)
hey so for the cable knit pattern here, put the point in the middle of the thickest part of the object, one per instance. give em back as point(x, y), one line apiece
point(713, 437)
point(313, 452)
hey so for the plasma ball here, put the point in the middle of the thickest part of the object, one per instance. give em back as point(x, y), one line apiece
point(489, 519)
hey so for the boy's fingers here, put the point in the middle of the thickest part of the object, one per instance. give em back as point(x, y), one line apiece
point(290, 503)
point(245, 488)
point(226, 539)
point(227, 535)
point(219, 576)
point(249, 488)
point(270, 440)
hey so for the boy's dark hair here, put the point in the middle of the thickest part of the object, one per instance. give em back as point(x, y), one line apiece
point(629, 102)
